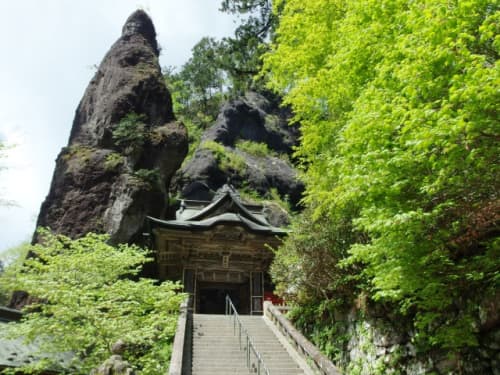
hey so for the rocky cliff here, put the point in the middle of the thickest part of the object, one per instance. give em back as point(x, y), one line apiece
point(249, 145)
point(124, 146)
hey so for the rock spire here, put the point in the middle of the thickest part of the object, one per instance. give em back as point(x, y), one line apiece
point(124, 144)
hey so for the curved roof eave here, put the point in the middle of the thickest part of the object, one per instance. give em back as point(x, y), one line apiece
point(220, 219)
point(219, 202)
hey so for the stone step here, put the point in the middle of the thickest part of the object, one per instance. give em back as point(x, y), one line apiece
point(216, 347)
point(214, 369)
point(231, 354)
point(205, 360)
point(233, 340)
point(226, 371)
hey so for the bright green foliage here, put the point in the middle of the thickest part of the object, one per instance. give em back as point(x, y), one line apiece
point(228, 160)
point(113, 161)
point(130, 133)
point(258, 149)
point(88, 302)
point(194, 138)
point(398, 103)
point(9, 260)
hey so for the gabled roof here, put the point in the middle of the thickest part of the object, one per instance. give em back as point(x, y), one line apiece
point(225, 208)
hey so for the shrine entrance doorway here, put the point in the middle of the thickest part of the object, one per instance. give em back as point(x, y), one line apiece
point(211, 297)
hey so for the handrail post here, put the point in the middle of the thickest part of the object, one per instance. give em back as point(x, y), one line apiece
point(239, 337)
point(248, 352)
point(231, 311)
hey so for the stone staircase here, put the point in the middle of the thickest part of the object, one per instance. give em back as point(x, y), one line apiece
point(216, 349)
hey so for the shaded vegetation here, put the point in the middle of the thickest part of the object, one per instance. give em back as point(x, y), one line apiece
point(148, 176)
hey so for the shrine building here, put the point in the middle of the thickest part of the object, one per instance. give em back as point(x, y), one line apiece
point(218, 248)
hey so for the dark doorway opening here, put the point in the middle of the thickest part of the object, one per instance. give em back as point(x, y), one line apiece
point(212, 297)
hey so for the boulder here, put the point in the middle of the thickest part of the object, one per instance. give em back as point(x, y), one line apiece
point(220, 158)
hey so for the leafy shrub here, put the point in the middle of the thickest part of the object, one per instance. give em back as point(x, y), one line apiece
point(149, 176)
point(254, 148)
point(113, 160)
point(194, 138)
point(77, 156)
point(89, 296)
point(227, 160)
point(130, 133)
point(9, 260)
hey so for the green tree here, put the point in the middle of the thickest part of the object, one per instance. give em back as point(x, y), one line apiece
point(222, 67)
point(9, 260)
point(398, 103)
point(240, 55)
point(201, 72)
point(89, 296)
point(197, 88)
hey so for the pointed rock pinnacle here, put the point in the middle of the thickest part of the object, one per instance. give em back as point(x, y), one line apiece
point(140, 23)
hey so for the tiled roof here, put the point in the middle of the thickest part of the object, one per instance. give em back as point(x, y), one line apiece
point(226, 207)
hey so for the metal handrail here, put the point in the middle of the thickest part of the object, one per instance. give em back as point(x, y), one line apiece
point(261, 367)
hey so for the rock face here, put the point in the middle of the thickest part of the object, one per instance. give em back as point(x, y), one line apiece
point(376, 343)
point(124, 146)
point(249, 145)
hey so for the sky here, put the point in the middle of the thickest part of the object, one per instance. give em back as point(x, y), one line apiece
point(48, 52)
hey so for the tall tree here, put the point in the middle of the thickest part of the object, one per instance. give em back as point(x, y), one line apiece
point(398, 103)
point(241, 54)
point(198, 86)
point(228, 67)
point(202, 73)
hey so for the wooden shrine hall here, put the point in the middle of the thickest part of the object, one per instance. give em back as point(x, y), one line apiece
point(216, 248)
